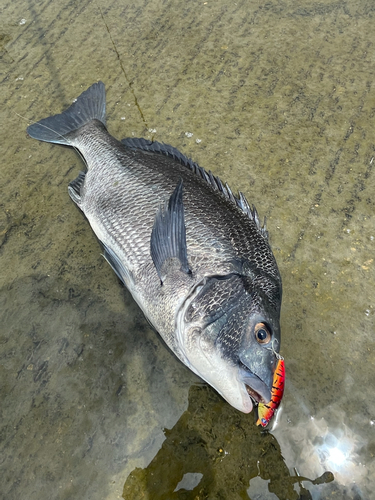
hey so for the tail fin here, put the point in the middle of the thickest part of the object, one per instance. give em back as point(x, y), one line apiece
point(89, 105)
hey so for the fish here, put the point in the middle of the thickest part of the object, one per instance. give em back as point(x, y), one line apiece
point(194, 256)
point(267, 410)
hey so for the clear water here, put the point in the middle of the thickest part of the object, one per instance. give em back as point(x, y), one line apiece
point(279, 99)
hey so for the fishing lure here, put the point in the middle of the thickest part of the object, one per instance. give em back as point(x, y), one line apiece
point(266, 411)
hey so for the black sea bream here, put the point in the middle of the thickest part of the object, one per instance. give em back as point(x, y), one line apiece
point(194, 256)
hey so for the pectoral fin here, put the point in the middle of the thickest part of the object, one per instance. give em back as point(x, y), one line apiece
point(168, 237)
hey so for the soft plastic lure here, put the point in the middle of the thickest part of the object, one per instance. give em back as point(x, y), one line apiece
point(266, 411)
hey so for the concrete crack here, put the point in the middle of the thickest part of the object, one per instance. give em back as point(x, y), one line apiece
point(130, 84)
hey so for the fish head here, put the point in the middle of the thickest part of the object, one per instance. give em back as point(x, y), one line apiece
point(229, 333)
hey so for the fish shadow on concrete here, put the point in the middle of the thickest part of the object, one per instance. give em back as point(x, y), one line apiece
point(224, 449)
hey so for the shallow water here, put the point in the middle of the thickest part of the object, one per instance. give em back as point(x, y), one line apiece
point(279, 101)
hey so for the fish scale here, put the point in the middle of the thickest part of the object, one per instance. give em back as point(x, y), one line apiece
point(140, 209)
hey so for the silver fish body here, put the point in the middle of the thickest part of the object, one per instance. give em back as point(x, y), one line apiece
point(194, 256)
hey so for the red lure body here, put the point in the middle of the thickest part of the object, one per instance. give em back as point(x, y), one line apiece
point(266, 411)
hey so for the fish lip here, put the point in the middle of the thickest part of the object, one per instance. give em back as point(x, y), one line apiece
point(255, 387)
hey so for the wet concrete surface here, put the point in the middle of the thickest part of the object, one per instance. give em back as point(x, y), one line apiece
point(278, 100)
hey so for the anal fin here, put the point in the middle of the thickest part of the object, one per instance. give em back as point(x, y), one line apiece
point(75, 188)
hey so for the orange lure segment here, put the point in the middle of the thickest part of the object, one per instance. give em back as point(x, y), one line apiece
point(266, 411)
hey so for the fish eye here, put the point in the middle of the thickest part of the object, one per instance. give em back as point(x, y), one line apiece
point(262, 333)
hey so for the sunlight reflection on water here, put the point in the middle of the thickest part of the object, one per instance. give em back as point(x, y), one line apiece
point(318, 447)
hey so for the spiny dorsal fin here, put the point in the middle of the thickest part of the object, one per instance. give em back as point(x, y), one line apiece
point(209, 177)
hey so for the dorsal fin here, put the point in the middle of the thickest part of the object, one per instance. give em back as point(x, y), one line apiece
point(209, 177)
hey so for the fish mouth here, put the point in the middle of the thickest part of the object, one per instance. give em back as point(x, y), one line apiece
point(258, 398)
point(255, 387)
